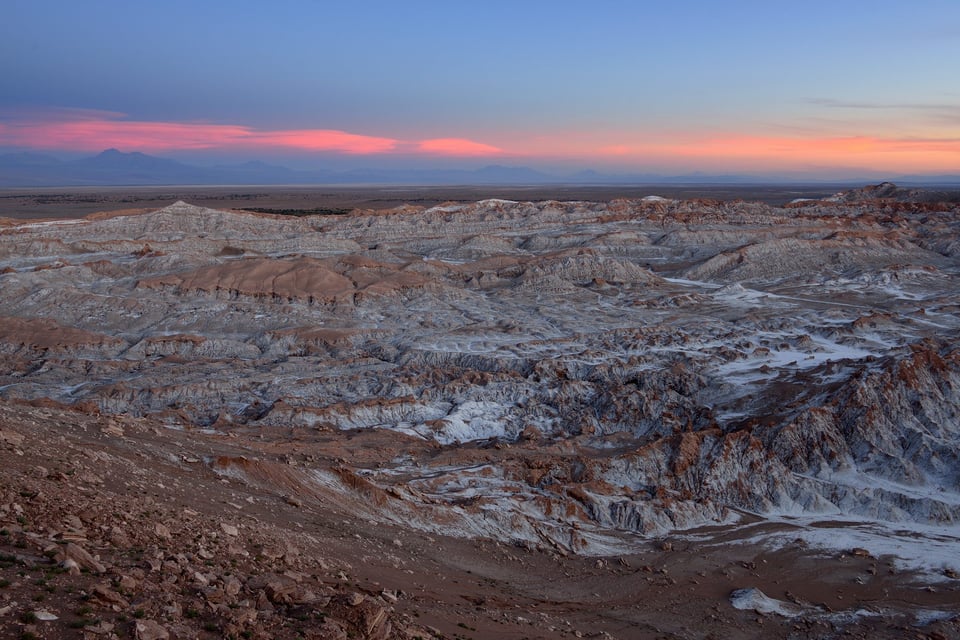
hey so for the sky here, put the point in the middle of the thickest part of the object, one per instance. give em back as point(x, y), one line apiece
point(816, 88)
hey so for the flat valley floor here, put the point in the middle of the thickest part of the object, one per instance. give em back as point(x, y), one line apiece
point(75, 202)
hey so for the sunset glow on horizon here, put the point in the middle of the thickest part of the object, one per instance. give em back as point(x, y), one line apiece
point(741, 90)
point(742, 151)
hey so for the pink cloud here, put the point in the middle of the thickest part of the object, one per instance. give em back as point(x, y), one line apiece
point(324, 140)
point(93, 134)
point(92, 131)
point(88, 130)
point(82, 130)
point(456, 147)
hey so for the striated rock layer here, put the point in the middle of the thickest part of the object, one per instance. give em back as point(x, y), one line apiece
point(566, 374)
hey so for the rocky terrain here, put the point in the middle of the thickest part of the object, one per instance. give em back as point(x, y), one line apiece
point(641, 418)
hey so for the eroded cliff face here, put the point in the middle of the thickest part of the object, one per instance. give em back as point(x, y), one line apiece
point(566, 374)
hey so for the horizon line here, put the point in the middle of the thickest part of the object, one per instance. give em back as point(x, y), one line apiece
point(550, 176)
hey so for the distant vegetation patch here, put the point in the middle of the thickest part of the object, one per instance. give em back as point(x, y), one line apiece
point(317, 211)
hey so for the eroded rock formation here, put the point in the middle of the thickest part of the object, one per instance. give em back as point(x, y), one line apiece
point(559, 373)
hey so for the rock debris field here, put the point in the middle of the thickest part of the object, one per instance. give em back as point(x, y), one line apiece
point(640, 418)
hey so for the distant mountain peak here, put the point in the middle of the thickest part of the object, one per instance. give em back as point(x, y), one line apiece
point(116, 154)
point(115, 167)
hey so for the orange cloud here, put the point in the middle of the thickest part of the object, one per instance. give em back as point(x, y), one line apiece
point(616, 150)
point(457, 147)
point(777, 152)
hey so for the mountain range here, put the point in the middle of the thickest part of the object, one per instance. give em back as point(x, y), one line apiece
point(116, 168)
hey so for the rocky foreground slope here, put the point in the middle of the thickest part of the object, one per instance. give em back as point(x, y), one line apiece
point(575, 379)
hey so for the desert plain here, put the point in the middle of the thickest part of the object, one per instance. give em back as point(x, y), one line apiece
point(480, 413)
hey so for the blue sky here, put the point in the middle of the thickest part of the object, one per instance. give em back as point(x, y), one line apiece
point(689, 85)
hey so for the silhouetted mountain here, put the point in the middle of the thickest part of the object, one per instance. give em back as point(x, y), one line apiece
point(257, 172)
point(939, 180)
point(25, 159)
point(496, 173)
point(492, 174)
point(27, 169)
point(590, 176)
point(113, 167)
